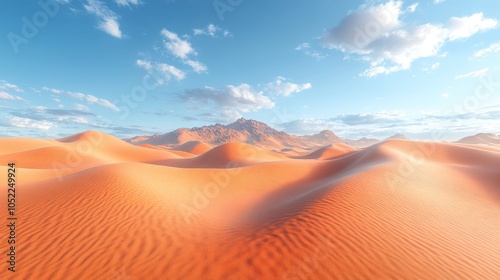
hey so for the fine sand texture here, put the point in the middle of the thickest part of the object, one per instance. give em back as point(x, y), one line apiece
point(91, 206)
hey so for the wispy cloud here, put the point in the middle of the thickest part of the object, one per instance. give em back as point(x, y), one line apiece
point(8, 97)
point(306, 49)
point(212, 31)
point(90, 99)
point(107, 19)
point(412, 8)
point(175, 45)
point(423, 125)
point(8, 86)
point(493, 48)
point(474, 74)
point(182, 49)
point(281, 87)
point(29, 123)
point(377, 35)
point(165, 71)
point(197, 66)
point(229, 101)
point(128, 2)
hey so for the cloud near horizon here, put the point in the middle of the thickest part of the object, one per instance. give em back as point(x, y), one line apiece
point(377, 35)
point(230, 101)
point(90, 99)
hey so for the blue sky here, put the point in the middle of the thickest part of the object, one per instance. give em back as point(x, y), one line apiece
point(427, 69)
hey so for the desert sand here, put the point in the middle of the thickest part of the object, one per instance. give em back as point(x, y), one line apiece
point(92, 206)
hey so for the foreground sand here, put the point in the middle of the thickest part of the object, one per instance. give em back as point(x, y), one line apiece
point(93, 207)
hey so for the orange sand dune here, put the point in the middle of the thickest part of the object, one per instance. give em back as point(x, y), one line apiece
point(151, 147)
point(15, 145)
point(228, 155)
point(193, 147)
point(395, 210)
point(329, 152)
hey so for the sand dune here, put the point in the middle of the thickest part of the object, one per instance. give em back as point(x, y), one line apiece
point(193, 147)
point(396, 210)
point(482, 138)
point(151, 147)
point(329, 152)
point(228, 155)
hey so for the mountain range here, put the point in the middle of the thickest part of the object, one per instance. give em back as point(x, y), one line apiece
point(250, 132)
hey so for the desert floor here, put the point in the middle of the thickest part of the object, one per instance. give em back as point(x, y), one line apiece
point(91, 206)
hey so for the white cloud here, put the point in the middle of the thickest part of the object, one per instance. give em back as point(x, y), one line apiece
point(170, 70)
point(474, 74)
point(376, 34)
point(212, 31)
point(165, 71)
point(81, 107)
point(29, 123)
point(181, 49)
point(464, 27)
point(35, 90)
point(197, 66)
point(438, 1)
point(108, 20)
point(412, 8)
point(433, 67)
point(7, 86)
point(229, 101)
point(90, 99)
point(284, 88)
point(422, 125)
point(128, 2)
point(144, 64)
point(101, 102)
point(495, 47)
point(7, 97)
point(363, 26)
point(177, 46)
point(305, 48)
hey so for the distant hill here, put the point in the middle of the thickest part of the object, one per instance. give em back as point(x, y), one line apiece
point(482, 138)
point(366, 142)
point(361, 143)
point(245, 131)
point(398, 136)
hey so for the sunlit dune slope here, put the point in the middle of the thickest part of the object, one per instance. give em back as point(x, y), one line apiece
point(329, 152)
point(193, 147)
point(396, 210)
point(228, 155)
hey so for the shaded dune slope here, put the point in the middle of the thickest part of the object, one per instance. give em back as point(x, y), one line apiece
point(399, 209)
